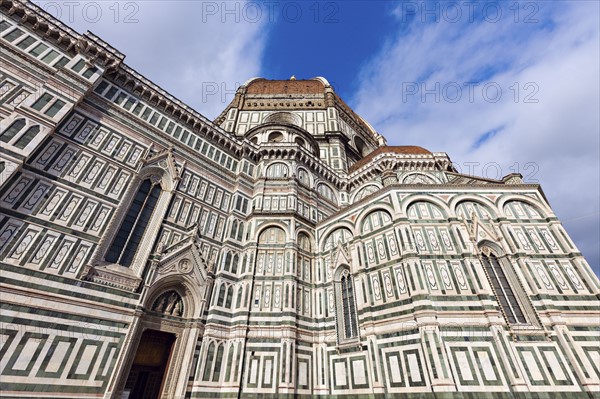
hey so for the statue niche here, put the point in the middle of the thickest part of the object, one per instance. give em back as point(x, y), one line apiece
point(169, 303)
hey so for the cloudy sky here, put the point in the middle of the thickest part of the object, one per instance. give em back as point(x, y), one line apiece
point(501, 87)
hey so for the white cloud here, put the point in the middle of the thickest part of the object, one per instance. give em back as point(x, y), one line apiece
point(190, 48)
point(558, 135)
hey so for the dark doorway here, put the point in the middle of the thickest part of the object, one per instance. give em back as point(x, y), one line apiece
point(147, 373)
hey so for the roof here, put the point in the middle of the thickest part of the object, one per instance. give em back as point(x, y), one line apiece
point(265, 86)
point(265, 94)
point(404, 150)
point(312, 86)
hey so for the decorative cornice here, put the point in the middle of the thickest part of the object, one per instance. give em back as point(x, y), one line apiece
point(390, 161)
point(97, 51)
point(109, 275)
point(431, 188)
point(127, 77)
point(106, 57)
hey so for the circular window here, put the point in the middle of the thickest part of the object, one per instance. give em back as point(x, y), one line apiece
point(275, 137)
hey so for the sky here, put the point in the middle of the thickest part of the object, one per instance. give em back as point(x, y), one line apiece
point(502, 87)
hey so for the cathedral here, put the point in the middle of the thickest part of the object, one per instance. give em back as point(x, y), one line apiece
point(282, 250)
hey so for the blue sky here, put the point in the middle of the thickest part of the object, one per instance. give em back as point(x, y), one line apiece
point(500, 86)
point(331, 39)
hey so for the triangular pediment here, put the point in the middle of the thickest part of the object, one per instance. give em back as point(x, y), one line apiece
point(341, 255)
point(165, 160)
point(480, 230)
point(183, 258)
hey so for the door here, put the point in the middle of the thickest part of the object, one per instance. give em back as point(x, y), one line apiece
point(147, 374)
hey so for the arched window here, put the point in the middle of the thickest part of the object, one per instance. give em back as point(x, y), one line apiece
point(347, 325)
point(304, 257)
point(227, 261)
point(27, 137)
point(501, 284)
point(520, 210)
point(326, 192)
point(271, 254)
point(244, 261)
point(234, 263)
point(234, 227)
point(129, 235)
point(375, 221)
point(238, 302)
point(214, 294)
point(303, 177)
point(277, 170)
point(423, 210)
point(341, 235)
point(275, 137)
point(209, 362)
point(221, 298)
point(229, 297)
point(240, 233)
point(304, 242)
point(287, 295)
point(466, 210)
point(12, 131)
point(229, 363)
point(272, 235)
point(218, 363)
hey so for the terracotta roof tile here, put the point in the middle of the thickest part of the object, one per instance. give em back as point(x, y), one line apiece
point(264, 86)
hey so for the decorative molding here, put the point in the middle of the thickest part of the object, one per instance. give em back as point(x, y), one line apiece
point(114, 276)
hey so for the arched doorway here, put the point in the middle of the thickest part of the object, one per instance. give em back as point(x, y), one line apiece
point(158, 352)
point(152, 357)
point(160, 348)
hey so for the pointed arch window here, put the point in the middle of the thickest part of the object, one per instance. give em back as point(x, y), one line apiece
point(238, 302)
point(210, 353)
point(227, 261)
point(131, 231)
point(501, 284)
point(221, 296)
point(240, 233)
point(229, 297)
point(234, 227)
point(304, 257)
point(26, 138)
point(229, 363)
point(234, 263)
point(12, 131)
point(347, 325)
point(218, 362)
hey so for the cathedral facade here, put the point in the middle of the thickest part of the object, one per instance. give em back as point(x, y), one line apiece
point(281, 250)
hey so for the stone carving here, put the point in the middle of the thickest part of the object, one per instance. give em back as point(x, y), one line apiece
point(169, 303)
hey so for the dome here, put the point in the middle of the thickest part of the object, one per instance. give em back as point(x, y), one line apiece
point(265, 86)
